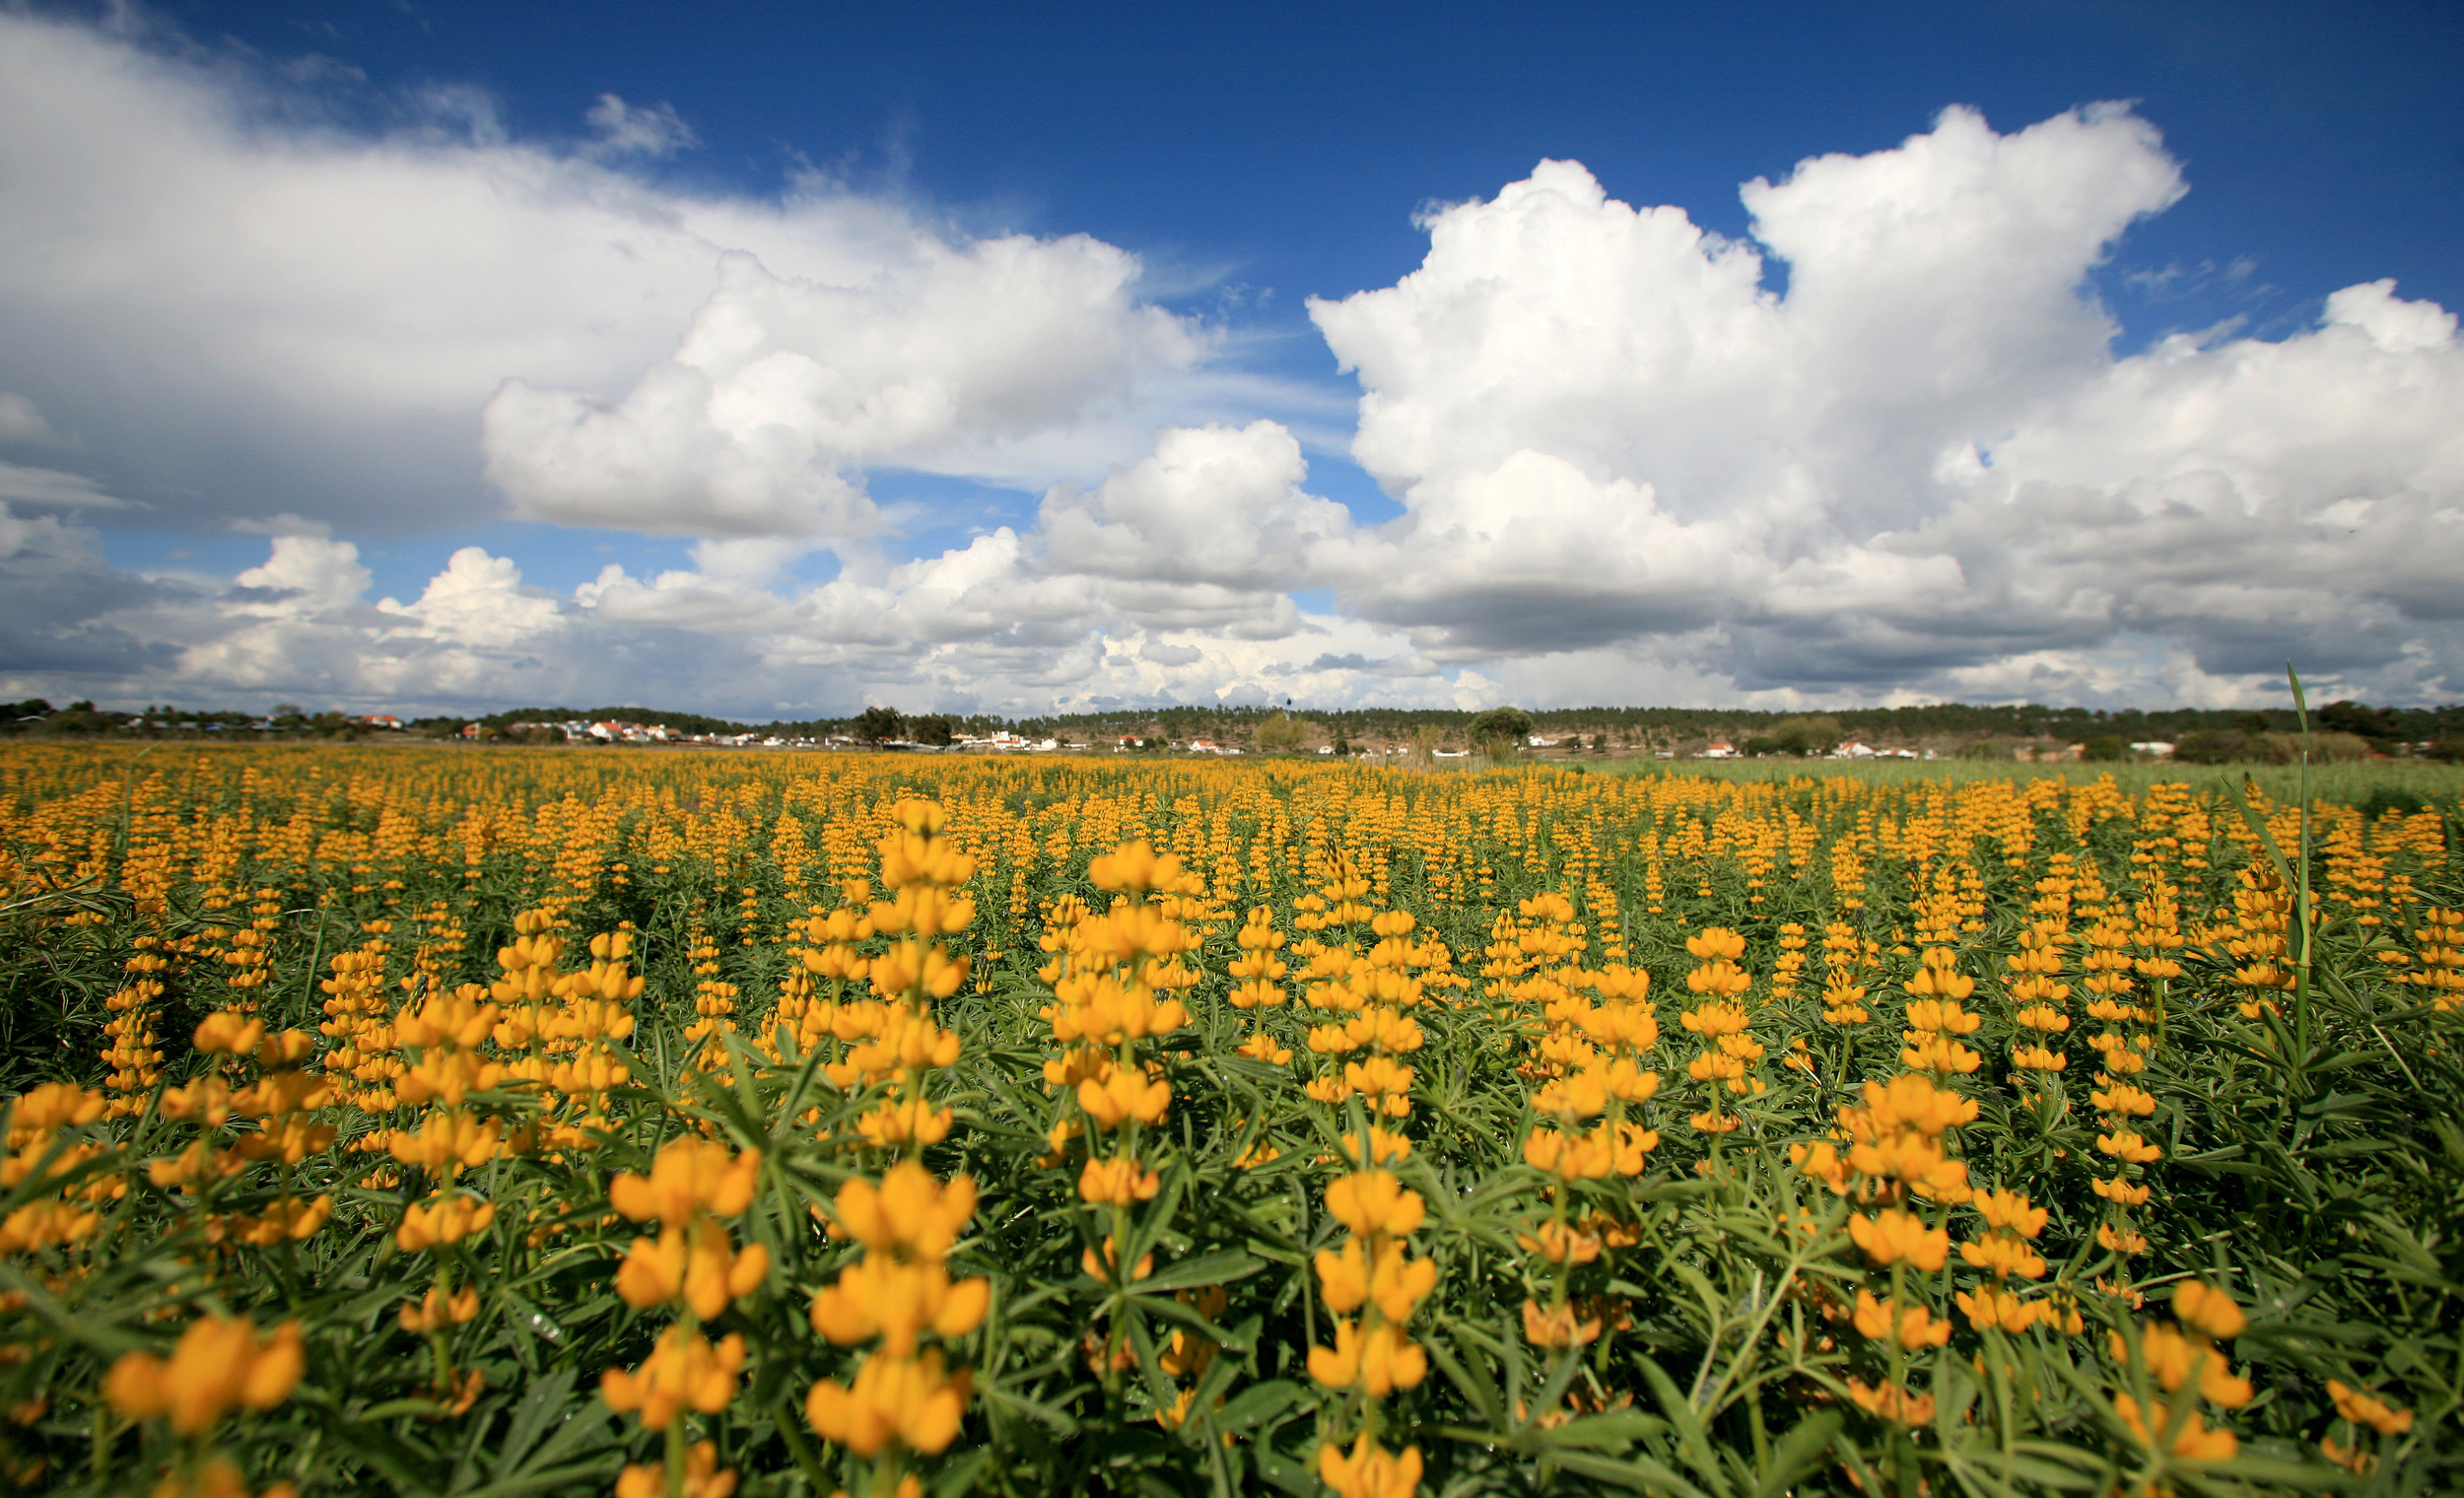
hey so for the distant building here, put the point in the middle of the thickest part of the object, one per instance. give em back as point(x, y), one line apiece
point(2154, 749)
point(1852, 750)
point(1720, 750)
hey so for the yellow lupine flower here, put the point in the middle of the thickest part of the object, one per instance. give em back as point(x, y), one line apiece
point(688, 1177)
point(219, 1365)
point(684, 1371)
point(908, 1399)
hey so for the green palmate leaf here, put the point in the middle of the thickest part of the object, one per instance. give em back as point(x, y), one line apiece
point(1798, 1452)
point(1610, 1432)
point(1049, 1416)
point(1639, 1475)
point(1474, 1378)
point(1220, 1267)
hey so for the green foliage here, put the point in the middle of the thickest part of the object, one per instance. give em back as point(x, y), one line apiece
point(880, 724)
point(1280, 734)
point(2311, 1164)
point(1500, 726)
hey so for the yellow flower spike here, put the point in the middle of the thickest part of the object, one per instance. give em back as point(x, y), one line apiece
point(2194, 1442)
point(50, 1107)
point(2127, 1146)
point(1369, 1470)
point(2011, 1210)
point(1914, 1326)
point(447, 1143)
point(286, 1049)
point(1562, 1326)
point(1374, 1203)
point(684, 1371)
point(1893, 1236)
point(1893, 1404)
point(1989, 1308)
point(207, 1101)
point(910, 965)
point(228, 1031)
point(1103, 1265)
point(2175, 1359)
point(1710, 944)
point(702, 1478)
point(438, 1311)
point(908, 1399)
point(1383, 1081)
point(652, 1272)
point(217, 1477)
point(716, 1274)
point(1384, 1147)
point(1124, 1096)
point(1263, 1047)
point(1344, 1277)
point(1938, 976)
point(1378, 1361)
point(1559, 1243)
point(898, 1302)
point(219, 1365)
point(2005, 1257)
point(2364, 1408)
point(2207, 1309)
point(1398, 1284)
point(688, 1176)
point(442, 1221)
point(1117, 1182)
point(1570, 1157)
point(908, 1212)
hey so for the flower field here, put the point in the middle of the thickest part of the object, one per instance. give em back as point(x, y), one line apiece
point(520, 1122)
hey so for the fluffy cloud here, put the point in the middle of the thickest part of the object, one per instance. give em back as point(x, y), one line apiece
point(784, 387)
point(1921, 467)
point(22, 423)
point(981, 628)
point(625, 129)
point(1634, 462)
point(243, 301)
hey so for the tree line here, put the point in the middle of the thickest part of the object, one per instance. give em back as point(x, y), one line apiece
point(2200, 736)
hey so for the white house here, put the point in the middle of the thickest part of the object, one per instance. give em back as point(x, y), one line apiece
point(2154, 749)
point(1720, 750)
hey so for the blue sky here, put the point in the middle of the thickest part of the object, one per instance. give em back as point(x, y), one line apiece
point(1245, 161)
point(1288, 146)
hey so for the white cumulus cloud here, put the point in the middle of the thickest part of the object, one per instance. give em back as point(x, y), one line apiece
point(242, 301)
point(783, 387)
point(1921, 467)
point(1882, 448)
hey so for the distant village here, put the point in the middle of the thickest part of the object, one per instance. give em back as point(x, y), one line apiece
point(1431, 738)
point(614, 732)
